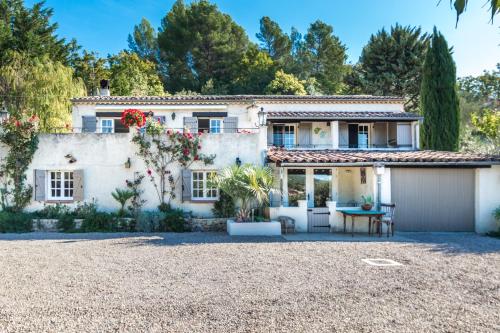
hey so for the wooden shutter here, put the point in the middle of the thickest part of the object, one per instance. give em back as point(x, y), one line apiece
point(191, 124)
point(162, 119)
point(305, 134)
point(230, 124)
point(120, 128)
point(39, 180)
point(270, 140)
point(78, 185)
point(89, 124)
point(186, 185)
point(343, 135)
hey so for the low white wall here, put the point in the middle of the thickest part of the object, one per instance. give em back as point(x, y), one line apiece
point(487, 198)
point(299, 214)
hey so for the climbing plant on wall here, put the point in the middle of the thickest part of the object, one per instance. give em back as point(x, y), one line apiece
point(162, 150)
point(20, 136)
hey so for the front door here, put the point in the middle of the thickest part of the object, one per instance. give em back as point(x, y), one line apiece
point(318, 217)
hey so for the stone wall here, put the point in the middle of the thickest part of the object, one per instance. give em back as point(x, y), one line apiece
point(207, 224)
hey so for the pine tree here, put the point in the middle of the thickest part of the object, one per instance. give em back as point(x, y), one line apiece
point(391, 64)
point(438, 97)
point(273, 40)
point(143, 41)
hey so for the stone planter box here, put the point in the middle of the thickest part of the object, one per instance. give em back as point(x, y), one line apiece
point(253, 228)
point(50, 225)
point(207, 224)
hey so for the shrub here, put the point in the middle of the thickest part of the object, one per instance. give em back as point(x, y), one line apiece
point(149, 221)
point(224, 207)
point(86, 209)
point(99, 222)
point(15, 222)
point(66, 223)
point(173, 220)
point(53, 211)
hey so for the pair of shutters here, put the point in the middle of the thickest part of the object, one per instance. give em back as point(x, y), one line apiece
point(40, 185)
point(89, 125)
point(230, 124)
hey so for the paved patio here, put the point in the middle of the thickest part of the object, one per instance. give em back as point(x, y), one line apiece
point(201, 282)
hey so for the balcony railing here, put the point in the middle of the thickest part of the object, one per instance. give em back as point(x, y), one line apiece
point(343, 147)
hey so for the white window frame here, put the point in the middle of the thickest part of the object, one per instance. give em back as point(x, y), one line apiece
point(219, 120)
point(101, 127)
point(65, 176)
point(205, 187)
point(295, 134)
point(368, 134)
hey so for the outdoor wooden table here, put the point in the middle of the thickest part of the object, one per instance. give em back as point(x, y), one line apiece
point(358, 212)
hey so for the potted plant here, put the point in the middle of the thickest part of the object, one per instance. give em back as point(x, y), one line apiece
point(367, 202)
point(247, 184)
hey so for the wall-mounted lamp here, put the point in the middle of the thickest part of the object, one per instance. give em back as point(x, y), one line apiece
point(262, 117)
point(128, 163)
point(238, 161)
point(173, 116)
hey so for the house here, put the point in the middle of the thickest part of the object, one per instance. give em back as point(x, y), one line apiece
point(326, 152)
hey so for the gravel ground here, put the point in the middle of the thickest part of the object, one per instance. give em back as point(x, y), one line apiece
point(200, 282)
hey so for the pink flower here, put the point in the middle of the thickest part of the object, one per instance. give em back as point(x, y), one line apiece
point(149, 172)
point(196, 157)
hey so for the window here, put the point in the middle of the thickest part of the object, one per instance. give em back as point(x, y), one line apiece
point(296, 186)
point(322, 187)
point(362, 136)
point(284, 135)
point(215, 125)
point(107, 126)
point(210, 125)
point(201, 188)
point(61, 185)
point(358, 136)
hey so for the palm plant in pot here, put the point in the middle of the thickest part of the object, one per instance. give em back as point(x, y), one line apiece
point(367, 202)
point(246, 184)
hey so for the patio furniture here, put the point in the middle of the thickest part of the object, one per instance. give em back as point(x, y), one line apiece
point(377, 214)
point(387, 219)
point(286, 223)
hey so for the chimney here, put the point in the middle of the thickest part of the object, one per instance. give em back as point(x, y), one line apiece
point(104, 91)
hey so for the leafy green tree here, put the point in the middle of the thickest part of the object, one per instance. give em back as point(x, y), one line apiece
point(487, 123)
point(39, 87)
point(91, 69)
point(198, 43)
point(29, 31)
point(285, 84)
point(438, 97)
point(131, 75)
point(391, 63)
point(143, 41)
point(323, 57)
point(483, 88)
point(273, 40)
point(256, 71)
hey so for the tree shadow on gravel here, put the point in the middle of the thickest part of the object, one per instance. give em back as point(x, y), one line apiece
point(456, 243)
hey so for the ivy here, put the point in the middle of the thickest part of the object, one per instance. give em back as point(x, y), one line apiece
point(20, 135)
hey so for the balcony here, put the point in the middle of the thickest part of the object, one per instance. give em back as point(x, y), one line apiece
point(344, 135)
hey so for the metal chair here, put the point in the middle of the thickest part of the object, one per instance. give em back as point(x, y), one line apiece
point(286, 223)
point(387, 219)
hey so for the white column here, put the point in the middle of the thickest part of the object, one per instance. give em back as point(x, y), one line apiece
point(262, 145)
point(417, 135)
point(334, 127)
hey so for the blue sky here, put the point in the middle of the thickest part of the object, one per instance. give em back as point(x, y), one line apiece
point(103, 25)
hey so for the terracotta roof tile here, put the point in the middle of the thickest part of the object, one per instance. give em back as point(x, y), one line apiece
point(280, 155)
point(231, 98)
point(342, 115)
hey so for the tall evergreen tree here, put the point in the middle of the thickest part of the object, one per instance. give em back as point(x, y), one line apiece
point(324, 57)
point(199, 43)
point(273, 40)
point(391, 63)
point(143, 41)
point(438, 97)
point(91, 69)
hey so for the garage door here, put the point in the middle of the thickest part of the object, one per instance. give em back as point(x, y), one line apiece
point(433, 199)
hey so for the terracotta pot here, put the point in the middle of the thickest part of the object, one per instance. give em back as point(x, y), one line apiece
point(366, 206)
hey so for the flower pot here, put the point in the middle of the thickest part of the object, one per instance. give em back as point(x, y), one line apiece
point(366, 206)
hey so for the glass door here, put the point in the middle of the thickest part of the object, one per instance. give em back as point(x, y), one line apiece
point(296, 186)
point(362, 136)
point(322, 187)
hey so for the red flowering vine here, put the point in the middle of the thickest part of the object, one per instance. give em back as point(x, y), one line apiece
point(133, 117)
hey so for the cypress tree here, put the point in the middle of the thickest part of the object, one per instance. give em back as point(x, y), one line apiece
point(438, 97)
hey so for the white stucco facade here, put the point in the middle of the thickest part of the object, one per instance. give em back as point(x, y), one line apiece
point(487, 198)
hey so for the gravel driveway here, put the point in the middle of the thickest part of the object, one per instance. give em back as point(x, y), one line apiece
point(199, 282)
